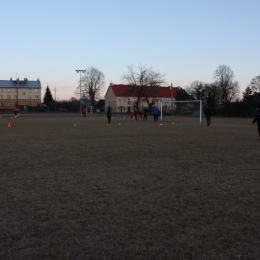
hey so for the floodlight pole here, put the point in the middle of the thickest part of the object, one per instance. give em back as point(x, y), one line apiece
point(79, 71)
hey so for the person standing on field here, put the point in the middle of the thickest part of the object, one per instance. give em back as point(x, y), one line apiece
point(16, 112)
point(141, 113)
point(135, 113)
point(257, 120)
point(208, 114)
point(145, 114)
point(109, 114)
point(84, 111)
point(155, 114)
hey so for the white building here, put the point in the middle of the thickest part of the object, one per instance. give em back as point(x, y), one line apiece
point(122, 98)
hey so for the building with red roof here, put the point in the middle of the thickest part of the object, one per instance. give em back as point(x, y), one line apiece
point(122, 98)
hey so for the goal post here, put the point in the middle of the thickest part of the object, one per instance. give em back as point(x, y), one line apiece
point(187, 108)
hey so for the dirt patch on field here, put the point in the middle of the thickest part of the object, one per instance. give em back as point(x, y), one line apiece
point(80, 188)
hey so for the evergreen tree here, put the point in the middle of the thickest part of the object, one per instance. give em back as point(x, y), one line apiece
point(47, 96)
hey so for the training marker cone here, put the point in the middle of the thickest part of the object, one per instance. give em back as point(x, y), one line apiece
point(9, 125)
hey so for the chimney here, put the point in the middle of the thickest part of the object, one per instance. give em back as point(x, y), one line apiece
point(38, 79)
point(11, 79)
point(26, 81)
point(111, 84)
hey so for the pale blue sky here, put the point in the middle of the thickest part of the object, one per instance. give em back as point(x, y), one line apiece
point(187, 39)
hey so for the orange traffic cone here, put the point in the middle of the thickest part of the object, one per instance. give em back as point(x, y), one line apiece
point(9, 125)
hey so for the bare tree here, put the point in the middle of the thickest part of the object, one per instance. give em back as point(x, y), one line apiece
point(196, 90)
point(211, 94)
point(145, 82)
point(255, 83)
point(91, 83)
point(228, 89)
point(251, 96)
point(204, 91)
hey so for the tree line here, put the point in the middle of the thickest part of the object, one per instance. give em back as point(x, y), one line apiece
point(222, 95)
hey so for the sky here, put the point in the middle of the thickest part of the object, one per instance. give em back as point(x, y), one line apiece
point(185, 40)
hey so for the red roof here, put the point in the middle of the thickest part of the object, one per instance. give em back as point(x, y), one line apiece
point(122, 90)
point(165, 92)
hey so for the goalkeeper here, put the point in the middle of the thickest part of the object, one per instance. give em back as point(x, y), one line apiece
point(208, 114)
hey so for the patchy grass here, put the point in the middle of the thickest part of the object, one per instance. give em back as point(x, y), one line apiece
point(130, 191)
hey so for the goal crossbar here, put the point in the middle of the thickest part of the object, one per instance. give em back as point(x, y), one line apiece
point(183, 101)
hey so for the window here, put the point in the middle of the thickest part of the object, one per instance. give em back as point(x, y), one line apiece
point(1, 104)
point(8, 90)
point(15, 90)
point(119, 100)
point(8, 97)
point(24, 93)
point(124, 108)
point(1, 96)
point(29, 97)
point(8, 104)
point(29, 104)
point(128, 101)
point(36, 104)
point(1, 90)
point(36, 97)
point(124, 100)
point(15, 96)
point(36, 90)
point(29, 90)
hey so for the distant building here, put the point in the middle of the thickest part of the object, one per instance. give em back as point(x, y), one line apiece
point(22, 93)
point(122, 99)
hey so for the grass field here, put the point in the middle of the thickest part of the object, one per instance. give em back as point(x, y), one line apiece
point(80, 188)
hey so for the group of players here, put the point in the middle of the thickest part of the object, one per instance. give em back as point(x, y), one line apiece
point(143, 113)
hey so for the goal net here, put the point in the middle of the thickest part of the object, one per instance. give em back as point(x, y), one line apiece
point(186, 108)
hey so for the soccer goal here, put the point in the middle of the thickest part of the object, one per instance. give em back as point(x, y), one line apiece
point(182, 108)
